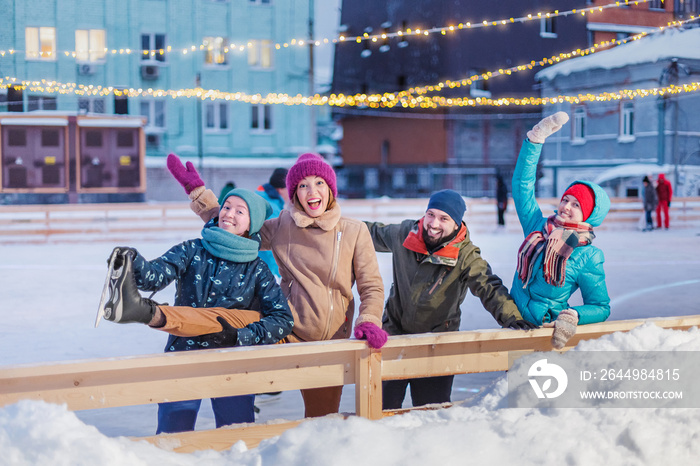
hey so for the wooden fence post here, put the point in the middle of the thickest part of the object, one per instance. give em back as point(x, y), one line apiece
point(368, 383)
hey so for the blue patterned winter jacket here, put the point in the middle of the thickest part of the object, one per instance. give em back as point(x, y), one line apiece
point(541, 302)
point(203, 280)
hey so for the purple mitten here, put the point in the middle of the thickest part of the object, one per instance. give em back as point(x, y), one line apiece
point(186, 174)
point(375, 336)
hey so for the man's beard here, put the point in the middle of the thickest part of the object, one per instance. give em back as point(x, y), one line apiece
point(432, 244)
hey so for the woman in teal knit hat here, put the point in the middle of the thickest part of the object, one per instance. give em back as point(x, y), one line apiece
point(219, 270)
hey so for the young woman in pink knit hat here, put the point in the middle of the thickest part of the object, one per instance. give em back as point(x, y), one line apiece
point(320, 254)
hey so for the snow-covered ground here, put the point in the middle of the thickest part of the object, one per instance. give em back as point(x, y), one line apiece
point(48, 299)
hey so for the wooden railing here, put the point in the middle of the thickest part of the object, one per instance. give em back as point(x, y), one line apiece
point(80, 222)
point(126, 381)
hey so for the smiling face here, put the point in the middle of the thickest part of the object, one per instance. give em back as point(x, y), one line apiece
point(234, 216)
point(438, 225)
point(570, 209)
point(313, 194)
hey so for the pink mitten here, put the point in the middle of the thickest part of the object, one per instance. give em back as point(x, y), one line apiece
point(186, 174)
point(375, 336)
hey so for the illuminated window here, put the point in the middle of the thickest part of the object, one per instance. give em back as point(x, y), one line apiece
point(153, 47)
point(261, 118)
point(215, 50)
point(154, 111)
point(216, 116)
point(260, 53)
point(40, 43)
point(90, 44)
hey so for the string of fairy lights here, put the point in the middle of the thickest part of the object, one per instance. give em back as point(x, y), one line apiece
point(415, 97)
point(340, 39)
point(450, 84)
point(421, 101)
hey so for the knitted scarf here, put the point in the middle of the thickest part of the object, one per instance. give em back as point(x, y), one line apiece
point(225, 245)
point(447, 255)
point(558, 239)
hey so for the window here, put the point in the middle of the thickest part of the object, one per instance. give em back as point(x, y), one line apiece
point(579, 135)
point(91, 105)
point(261, 2)
point(216, 50)
point(687, 8)
point(480, 87)
point(261, 118)
point(153, 47)
point(37, 102)
point(40, 43)
point(548, 28)
point(656, 4)
point(90, 44)
point(260, 53)
point(216, 116)
point(154, 111)
point(626, 122)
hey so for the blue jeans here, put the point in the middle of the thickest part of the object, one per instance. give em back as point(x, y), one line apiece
point(181, 416)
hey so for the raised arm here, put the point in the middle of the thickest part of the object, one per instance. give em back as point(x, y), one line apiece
point(203, 201)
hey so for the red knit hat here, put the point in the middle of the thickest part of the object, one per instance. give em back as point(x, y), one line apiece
point(310, 164)
point(585, 197)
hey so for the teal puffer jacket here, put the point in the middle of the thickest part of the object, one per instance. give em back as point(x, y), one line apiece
point(541, 302)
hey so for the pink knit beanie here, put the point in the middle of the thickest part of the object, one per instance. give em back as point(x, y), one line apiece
point(310, 165)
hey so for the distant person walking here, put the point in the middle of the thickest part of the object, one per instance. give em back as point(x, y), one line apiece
point(665, 192)
point(501, 200)
point(651, 200)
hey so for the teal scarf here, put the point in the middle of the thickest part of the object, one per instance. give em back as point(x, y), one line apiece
point(225, 245)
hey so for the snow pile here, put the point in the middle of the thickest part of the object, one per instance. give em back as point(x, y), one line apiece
point(37, 433)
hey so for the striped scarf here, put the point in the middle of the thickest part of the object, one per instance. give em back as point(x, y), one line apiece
point(558, 239)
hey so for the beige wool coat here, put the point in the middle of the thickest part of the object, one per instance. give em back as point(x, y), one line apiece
point(320, 259)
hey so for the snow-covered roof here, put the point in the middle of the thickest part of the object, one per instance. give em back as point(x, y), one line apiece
point(136, 122)
point(34, 122)
point(670, 43)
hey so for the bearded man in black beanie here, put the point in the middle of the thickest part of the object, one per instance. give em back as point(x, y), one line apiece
point(434, 265)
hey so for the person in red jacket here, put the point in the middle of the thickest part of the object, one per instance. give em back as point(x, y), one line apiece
point(665, 192)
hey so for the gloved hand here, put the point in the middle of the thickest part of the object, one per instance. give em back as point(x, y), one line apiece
point(546, 127)
point(375, 336)
point(519, 324)
point(224, 339)
point(186, 174)
point(122, 251)
point(564, 327)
